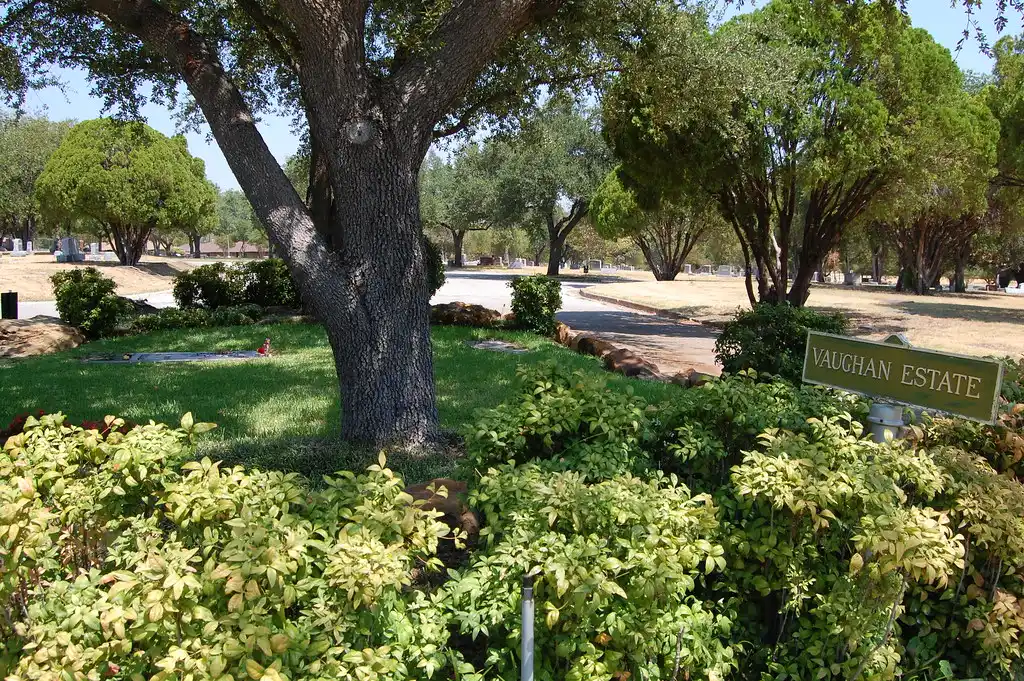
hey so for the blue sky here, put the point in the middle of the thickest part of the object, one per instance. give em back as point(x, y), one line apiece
point(944, 22)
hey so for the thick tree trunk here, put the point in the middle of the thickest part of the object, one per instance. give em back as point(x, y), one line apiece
point(381, 336)
point(458, 238)
point(877, 264)
point(194, 245)
point(555, 249)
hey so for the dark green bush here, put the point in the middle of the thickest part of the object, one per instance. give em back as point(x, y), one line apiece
point(772, 339)
point(208, 287)
point(535, 300)
point(262, 283)
point(435, 265)
point(268, 283)
point(86, 299)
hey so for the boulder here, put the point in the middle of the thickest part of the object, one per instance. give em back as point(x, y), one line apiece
point(628, 363)
point(463, 314)
point(563, 334)
point(38, 335)
point(592, 345)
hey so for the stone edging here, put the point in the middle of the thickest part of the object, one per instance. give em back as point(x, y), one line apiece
point(623, 360)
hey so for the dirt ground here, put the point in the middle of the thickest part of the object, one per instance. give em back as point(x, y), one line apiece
point(30, 275)
point(972, 324)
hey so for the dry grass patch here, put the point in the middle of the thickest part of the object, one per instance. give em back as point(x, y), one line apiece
point(972, 323)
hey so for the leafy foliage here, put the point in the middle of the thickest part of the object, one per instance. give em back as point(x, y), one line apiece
point(261, 283)
point(565, 422)
point(771, 339)
point(174, 318)
point(435, 266)
point(127, 178)
point(86, 299)
point(116, 562)
point(535, 300)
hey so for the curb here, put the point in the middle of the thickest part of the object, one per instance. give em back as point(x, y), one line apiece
point(640, 307)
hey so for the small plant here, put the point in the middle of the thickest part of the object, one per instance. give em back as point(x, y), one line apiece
point(562, 421)
point(86, 299)
point(535, 300)
point(771, 339)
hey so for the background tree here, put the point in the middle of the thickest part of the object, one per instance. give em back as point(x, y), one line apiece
point(933, 214)
point(236, 221)
point(25, 145)
point(458, 196)
point(666, 232)
point(794, 118)
point(546, 174)
point(129, 179)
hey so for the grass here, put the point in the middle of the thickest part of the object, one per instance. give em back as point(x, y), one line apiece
point(279, 413)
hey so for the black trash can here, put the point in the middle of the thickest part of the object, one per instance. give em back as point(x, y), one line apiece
point(9, 305)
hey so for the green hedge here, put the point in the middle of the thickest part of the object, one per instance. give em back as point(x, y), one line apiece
point(266, 283)
point(535, 300)
point(86, 299)
point(743, 530)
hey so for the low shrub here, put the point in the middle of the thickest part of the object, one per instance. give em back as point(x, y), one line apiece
point(535, 300)
point(86, 299)
point(116, 563)
point(435, 265)
point(173, 318)
point(771, 339)
point(208, 287)
point(562, 421)
point(619, 565)
point(268, 283)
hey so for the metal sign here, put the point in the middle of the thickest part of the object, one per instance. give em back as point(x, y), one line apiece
point(937, 381)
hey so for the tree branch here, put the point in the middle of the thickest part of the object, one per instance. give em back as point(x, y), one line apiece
point(466, 38)
point(271, 194)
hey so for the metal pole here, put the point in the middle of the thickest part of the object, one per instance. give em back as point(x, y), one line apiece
point(526, 654)
point(886, 421)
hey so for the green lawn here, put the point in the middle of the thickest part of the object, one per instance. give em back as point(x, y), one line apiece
point(280, 412)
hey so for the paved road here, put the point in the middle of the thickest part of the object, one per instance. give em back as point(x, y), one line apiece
point(49, 308)
point(673, 346)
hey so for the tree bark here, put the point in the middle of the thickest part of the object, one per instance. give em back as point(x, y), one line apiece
point(458, 238)
point(194, 245)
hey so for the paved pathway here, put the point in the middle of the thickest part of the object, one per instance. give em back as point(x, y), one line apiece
point(672, 345)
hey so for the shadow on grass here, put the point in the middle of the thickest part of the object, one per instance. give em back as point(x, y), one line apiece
point(937, 309)
point(317, 456)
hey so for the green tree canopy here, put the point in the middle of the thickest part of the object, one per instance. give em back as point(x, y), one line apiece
point(547, 172)
point(129, 179)
point(664, 231)
point(458, 196)
point(795, 118)
point(25, 145)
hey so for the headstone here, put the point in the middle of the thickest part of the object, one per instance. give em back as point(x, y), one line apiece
point(17, 246)
point(851, 279)
point(687, 269)
point(816, 277)
point(94, 248)
point(724, 270)
point(517, 264)
point(28, 246)
point(596, 265)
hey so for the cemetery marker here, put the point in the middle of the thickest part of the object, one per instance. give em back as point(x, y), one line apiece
point(936, 381)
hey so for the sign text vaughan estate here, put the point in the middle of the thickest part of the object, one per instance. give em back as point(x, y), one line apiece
point(967, 386)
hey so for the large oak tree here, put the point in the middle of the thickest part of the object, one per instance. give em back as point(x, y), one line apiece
point(372, 83)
